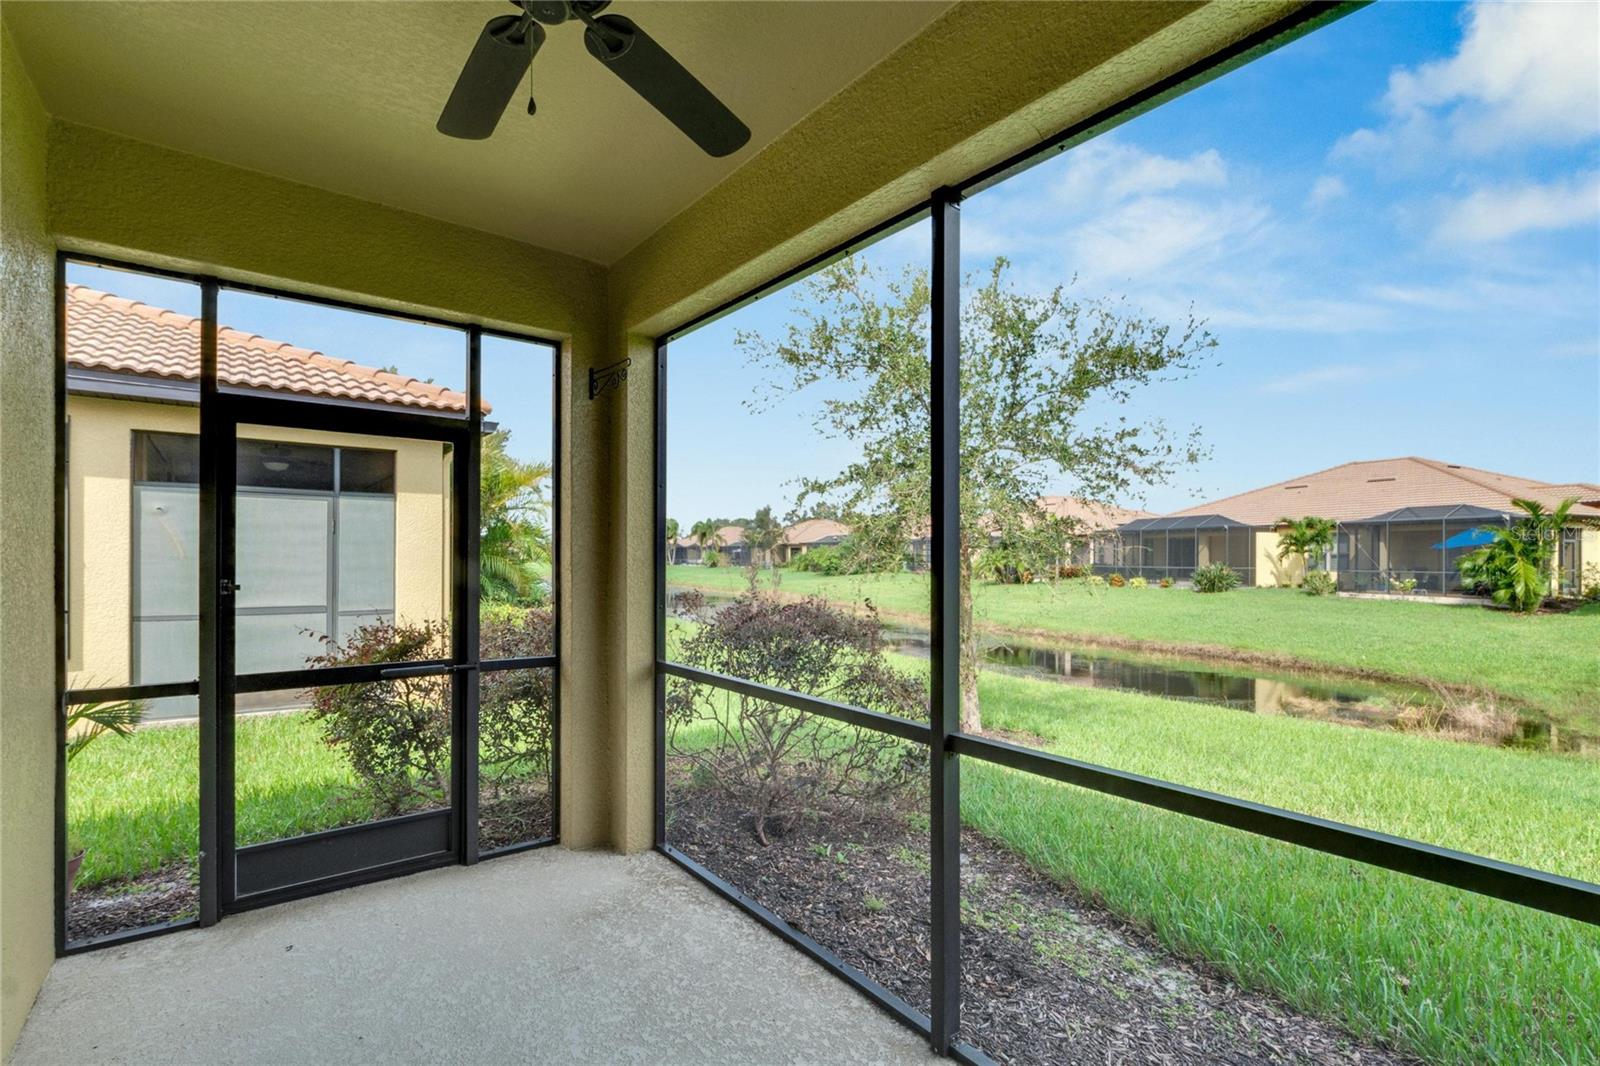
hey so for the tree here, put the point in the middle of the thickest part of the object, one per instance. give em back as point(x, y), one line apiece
point(705, 533)
point(1310, 538)
point(672, 537)
point(514, 545)
point(1032, 365)
point(1515, 566)
point(763, 534)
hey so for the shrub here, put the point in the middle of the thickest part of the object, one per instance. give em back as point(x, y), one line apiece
point(1070, 571)
point(711, 558)
point(1138, 583)
point(1514, 567)
point(1116, 581)
point(1321, 583)
point(1403, 584)
point(514, 719)
point(1589, 585)
point(1218, 577)
point(1166, 582)
point(396, 734)
point(775, 762)
point(1095, 580)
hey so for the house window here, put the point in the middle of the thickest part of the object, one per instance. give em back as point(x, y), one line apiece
point(334, 506)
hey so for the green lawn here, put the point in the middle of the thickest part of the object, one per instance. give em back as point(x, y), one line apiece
point(1550, 662)
point(1454, 977)
point(131, 802)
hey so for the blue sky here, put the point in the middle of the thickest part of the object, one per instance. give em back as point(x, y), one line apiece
point(516, 374)
point(1392, 227)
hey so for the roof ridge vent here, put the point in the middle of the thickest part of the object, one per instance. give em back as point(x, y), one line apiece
point(1375, 480)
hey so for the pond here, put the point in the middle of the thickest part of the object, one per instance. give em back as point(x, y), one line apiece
point(1326, 697)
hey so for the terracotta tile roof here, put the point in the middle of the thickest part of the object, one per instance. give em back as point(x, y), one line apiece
point(731, 535)
point(106, 332)
point(814, 531)
point(1089, 516)
point(1352, 491)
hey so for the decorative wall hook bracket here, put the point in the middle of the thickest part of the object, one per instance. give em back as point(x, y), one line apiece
point(608, 377)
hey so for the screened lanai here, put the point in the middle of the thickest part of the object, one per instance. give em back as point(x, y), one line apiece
point(1173, 547)
point(1422, 544)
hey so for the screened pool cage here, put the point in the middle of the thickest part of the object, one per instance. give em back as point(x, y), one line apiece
point(1154, 548)
point(1421, 544)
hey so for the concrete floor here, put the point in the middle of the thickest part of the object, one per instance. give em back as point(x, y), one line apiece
point(552, 956)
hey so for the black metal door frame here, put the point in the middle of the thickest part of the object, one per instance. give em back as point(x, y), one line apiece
point(259, 874)
point(216, 685)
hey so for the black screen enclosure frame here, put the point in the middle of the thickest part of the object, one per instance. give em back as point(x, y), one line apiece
point(301, 866)
point(1536, 889)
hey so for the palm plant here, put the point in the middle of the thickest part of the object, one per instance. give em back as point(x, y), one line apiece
point(705, 534)
point(672, 537)
point(1310, 538)
point(87, 722)
point(1515, 565)
point(764, 534)
point(514, 546)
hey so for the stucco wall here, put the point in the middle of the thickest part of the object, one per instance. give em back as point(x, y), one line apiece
point(100, 528)
point(27, 596)
point(1272, 572)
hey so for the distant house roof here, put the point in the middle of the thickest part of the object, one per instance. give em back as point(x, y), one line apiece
point(109, 336)
point(1183, 522)
point(1354, 491)
point(731, 535)
point(1092, 516)
point(812, 531)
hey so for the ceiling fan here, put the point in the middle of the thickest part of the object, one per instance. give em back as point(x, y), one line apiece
point(505, 49)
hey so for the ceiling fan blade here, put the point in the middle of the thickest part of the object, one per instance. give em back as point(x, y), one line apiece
point(499, 59)
point(647, 68)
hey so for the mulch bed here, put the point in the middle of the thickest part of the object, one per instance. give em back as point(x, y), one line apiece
point(518, 812)
point(163, 895)
point(1047, 976)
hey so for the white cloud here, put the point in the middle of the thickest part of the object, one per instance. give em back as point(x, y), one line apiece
point(1525, 73)
point(1493, 213)
point(1307, 380)
point(1105, 172)
point(1325, 190)
point(1153, 232)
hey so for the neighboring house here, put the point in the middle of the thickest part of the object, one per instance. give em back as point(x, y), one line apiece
point(1095, 529)
point(807, 534)
point(1407, 518)
point(1095, 526)
point(729, 543)
point(321, 517)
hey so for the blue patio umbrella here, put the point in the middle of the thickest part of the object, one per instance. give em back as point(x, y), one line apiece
point(1467, 538)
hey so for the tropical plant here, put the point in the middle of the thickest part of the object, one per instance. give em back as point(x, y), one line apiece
point(514, 546)
point(1116, 581)
point(712, 559)
point(764, 534)
point(672, 538)
point(1310, 538)
point(705, 535)
point(770, 759)
point(1035, 370)
point(1406, 585)
point(1217, 577)
point(1515, 566)
point(1138, 583)
point(1320, 583)
point(1166, 582)
point(87, 722)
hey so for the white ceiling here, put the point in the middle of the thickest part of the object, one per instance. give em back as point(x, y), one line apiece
point(344, 96)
